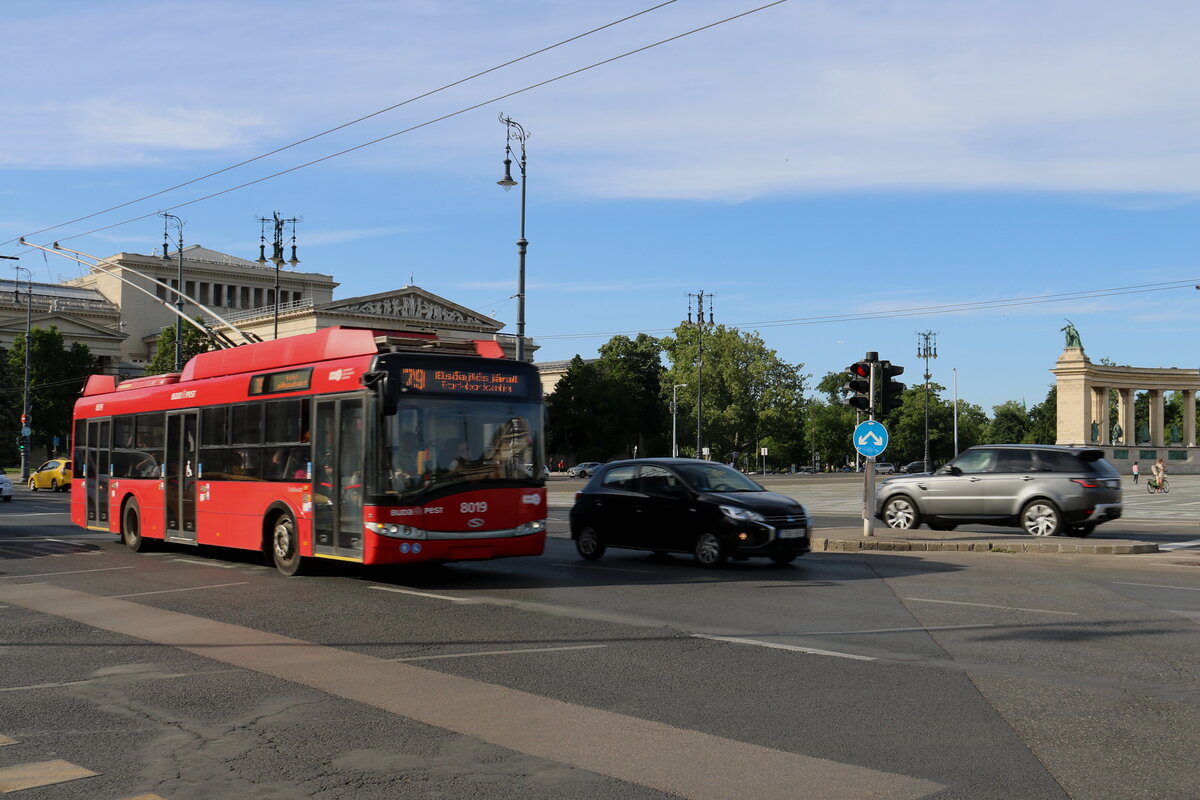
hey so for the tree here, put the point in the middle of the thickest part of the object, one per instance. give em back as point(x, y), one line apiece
point(56, 377)
point(195, 342)
point(750, 395)
point(1010, 423)
point(1043, 420)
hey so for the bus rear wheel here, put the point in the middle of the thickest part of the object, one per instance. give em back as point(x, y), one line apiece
point(285, 545)
point(131, 528)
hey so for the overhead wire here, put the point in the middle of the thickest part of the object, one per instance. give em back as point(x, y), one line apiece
point(393, 135)
point(917, 311)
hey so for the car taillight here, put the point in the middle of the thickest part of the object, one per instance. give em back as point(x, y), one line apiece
point(1087, 483)
point(577, 496)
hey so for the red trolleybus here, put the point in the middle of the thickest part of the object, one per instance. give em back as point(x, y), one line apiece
point(358, 445)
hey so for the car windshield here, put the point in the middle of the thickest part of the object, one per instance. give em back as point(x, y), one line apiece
point(717, 478)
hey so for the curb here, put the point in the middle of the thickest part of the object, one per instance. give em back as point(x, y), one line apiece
point(1110, 548)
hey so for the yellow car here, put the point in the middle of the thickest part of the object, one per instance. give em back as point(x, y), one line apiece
point(54, 475)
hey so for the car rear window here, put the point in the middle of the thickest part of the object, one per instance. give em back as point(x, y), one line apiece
point(619, 478)
point(1060, 461)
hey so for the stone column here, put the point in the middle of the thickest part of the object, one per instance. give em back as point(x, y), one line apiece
point(1155, 403)
point(1099, 413)
point(1189, 418)
point(1125, 416)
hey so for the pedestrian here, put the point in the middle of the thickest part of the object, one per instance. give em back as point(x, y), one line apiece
point(1135, 472)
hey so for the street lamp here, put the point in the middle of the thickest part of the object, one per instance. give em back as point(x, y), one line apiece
point(927, 349)
point(178, 287)
point(674, 409)
point(276, 252)
point(25, 396)
point(514, 132)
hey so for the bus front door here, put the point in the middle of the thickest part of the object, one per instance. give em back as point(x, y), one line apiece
point(337, 478)
point(181, 476)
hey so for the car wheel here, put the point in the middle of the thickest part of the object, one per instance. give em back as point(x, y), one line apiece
point(589, 545)
point(1081, 530)
point(53, 485)
point(709, 551)
point(131, 528)
point(32, 485)
point(901, 513)
point(1041, 518)
point(783, 559)
point(285, 545)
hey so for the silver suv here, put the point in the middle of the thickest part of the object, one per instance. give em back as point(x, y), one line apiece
point(1044, 489)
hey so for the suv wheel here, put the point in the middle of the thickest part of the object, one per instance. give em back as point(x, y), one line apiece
point(901, 513)
point(1041, 518)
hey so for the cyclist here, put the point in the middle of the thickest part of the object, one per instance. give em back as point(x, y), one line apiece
point(1159, 471)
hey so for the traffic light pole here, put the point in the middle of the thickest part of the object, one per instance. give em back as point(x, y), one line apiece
point(869, 479)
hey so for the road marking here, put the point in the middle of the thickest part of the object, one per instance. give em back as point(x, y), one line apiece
point(205, 563)
point(503, 652)
point(1158, 586)
point(987, 605)
point(682, 762)
point(150, 796)
point(4, 740)
point(1179, 545)
point(72, 572)
point(777, 646)
point(169, 591)
point(918, 629)
point(43, 773)
point(463, 600)
point(141, 677)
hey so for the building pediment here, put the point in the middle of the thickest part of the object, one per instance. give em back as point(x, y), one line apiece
point(414, 305)
point(71, 327)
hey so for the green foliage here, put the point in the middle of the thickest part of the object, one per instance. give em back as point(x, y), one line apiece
point(1043, 420)
point(1010, 424)
point(194, 342)
point(56, 377)
point(750, 395)
point(611, 407)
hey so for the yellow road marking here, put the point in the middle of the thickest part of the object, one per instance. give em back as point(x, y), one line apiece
point(150, 796)
point(43, 773)
point(5, 740)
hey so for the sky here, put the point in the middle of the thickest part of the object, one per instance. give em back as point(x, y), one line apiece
point(837, 175)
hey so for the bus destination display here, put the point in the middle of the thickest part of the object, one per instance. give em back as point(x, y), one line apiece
point(457, 381)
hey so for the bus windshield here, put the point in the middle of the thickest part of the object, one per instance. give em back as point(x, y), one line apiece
point(432, 444)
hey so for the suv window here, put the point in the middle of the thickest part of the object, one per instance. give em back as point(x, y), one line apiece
point(976, 461)
point(1056, 461)
point(1013, 461)
point(619, 478)
point(656, 480)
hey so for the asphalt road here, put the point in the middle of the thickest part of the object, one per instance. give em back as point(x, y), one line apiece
point(201, 674)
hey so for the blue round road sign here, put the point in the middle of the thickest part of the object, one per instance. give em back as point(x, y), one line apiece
point(870, 438)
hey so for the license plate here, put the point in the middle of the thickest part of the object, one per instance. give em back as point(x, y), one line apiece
point(797, 533)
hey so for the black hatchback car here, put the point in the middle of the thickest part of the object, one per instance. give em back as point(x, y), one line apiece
point(683, 505)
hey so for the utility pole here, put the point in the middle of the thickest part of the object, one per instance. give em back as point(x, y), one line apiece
point(25, 429)
point(927, 349)
point(167, 218)
point(700, 325)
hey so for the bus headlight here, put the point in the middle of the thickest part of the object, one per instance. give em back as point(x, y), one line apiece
point(395, 531)
point(526, 528)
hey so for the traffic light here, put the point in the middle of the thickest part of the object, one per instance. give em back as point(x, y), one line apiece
point(889, 390)
point(859, 385)
point(21, 443)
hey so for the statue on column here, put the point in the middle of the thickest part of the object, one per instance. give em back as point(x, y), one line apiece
point(1117, 433)
point(1072, 335)
point(1095, 431)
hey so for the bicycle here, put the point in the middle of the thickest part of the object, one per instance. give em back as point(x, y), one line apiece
point(1152, 486)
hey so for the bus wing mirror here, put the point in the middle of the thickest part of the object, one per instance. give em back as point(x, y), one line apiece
point(378, 380)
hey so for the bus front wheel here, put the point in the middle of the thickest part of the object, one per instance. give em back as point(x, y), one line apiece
point(285, 545)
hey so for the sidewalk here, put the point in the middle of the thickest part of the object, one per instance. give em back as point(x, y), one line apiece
point(850, 539)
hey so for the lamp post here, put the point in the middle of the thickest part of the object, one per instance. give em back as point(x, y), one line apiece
point(276, 252)
point(700, 323)
point(674, 409)
point(179, 285)
point(25, 430)
point(514, 132)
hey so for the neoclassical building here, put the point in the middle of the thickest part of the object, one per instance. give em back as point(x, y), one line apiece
point(1085, 408)
point(119, 313)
